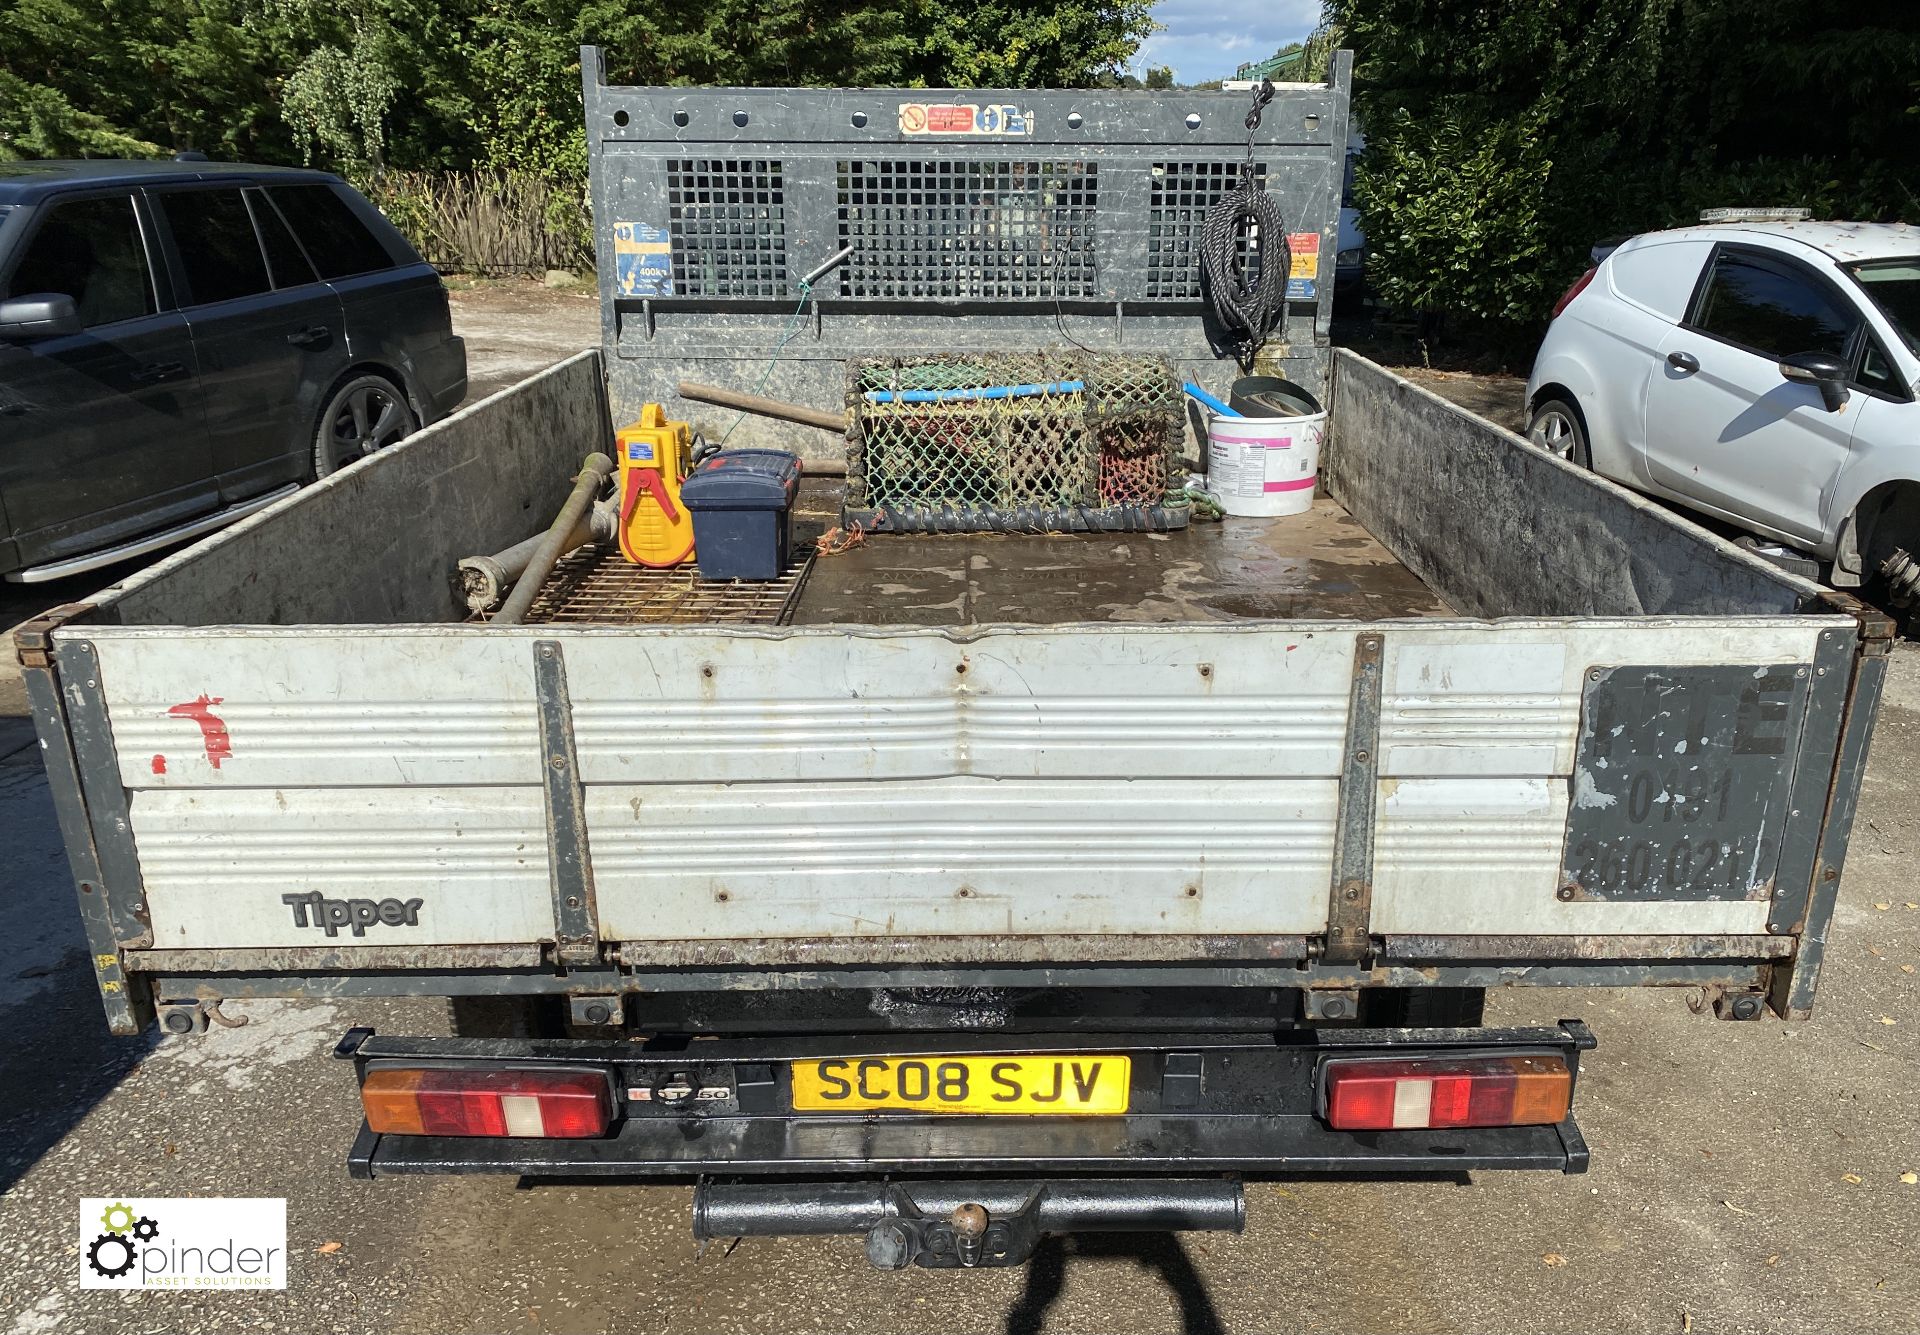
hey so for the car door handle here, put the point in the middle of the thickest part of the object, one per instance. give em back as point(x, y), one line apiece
point(1683, 362)
point(310, 337)
point(154, 373)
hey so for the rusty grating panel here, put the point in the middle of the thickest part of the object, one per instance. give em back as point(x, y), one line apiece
point(596, 587)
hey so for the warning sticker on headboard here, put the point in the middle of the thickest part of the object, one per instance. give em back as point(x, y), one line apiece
point(964, 118)
point(1303, 254)
point(1303, 266)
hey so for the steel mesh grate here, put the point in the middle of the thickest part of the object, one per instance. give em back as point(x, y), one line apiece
point(597, 586)
point(1176, 212)
point(726, 221)
point(958, 228)
point(1093, 447)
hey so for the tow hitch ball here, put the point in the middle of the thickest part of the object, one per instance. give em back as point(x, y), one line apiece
point(965, 1225)
point(965, 1236)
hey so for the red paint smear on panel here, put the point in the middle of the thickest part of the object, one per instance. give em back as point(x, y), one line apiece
point(213, 732)
point(159, 764)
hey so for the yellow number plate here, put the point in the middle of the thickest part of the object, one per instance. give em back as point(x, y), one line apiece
point(1085, 1085)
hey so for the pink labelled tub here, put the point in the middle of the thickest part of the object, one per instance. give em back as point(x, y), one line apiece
point(1259, 467)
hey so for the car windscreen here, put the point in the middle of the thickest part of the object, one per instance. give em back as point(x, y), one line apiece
point(1894, 286)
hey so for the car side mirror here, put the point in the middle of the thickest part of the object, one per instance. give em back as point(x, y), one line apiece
point(1825, 373)
point(39, 315)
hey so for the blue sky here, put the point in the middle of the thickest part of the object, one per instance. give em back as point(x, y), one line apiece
point(1206, 39)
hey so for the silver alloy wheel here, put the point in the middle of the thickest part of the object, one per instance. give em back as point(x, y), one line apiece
point(365, 414)
point(1554, 432)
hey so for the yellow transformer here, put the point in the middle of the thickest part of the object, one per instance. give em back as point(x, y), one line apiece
point(655, 528)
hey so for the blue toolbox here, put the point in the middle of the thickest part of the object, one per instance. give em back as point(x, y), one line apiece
point(742, 507)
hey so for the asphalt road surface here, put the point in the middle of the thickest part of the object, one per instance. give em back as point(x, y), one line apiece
point(1746, 1177)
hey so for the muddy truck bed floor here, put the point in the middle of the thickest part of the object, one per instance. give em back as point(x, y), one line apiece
point(1322, 565)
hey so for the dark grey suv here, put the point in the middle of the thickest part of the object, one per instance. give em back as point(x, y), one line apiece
point(183, 342)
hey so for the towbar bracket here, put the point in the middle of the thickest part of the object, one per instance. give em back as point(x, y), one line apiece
point(966, 1225)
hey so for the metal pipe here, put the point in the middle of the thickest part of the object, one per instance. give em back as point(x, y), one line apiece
point(764, 407)
point(595, 469)
point(481, 582)
point(825, 266)
point(982, 392)
point(1143, 1205)
point(1223, 409)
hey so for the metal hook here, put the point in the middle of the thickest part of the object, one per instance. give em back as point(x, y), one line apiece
point(1261, 96)
point(212, 1008)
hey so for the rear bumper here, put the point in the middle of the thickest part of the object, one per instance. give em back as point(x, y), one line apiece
point(740, 1147)
point(443, 376)
point(1200, 1104)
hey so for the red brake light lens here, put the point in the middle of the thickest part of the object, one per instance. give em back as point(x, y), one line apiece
point(553, 1103)
point(1369, 1094)
point(1579, 286)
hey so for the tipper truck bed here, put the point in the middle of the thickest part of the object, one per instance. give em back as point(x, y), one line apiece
point(991, 814)
point(1005, 884)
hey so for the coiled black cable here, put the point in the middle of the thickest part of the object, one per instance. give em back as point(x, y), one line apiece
point(1246, 311)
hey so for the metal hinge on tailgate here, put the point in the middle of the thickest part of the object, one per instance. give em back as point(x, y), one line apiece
point(1807, 910)
point(1878, 631)
point(1820, 766)
point(108, 919)
point(33, 640)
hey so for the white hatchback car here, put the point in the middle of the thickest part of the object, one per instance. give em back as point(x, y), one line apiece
point(1760, 372)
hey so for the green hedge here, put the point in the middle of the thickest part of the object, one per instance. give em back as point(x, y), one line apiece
point(1506, 137)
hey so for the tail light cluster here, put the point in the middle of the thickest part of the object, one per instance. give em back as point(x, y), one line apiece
point(558, 1103)
point(1359, 1094)
point(1389, 1094)
point(1579, 286)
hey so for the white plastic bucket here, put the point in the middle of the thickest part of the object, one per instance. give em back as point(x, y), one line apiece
point(1263, 466)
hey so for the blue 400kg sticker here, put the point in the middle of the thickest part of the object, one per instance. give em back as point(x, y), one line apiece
point(642, 260)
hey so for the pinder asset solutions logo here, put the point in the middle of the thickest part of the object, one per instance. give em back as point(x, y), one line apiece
point(215, 1243)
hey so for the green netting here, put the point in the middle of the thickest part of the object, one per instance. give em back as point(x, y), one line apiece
point(1089, 442)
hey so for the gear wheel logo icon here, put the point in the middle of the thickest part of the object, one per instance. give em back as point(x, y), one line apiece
point(116, 1218)
point(145, 1229)
point(101, 1245)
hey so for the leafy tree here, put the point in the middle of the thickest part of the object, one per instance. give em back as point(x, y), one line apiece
point(523, 66)
point(486, 93)
point(1526, 130)
point(1159, 76)
point(1005, 44)
point(39, 122)
point(1473, 237)
point(363, 85)
point(340, 98)
point(140, 77)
